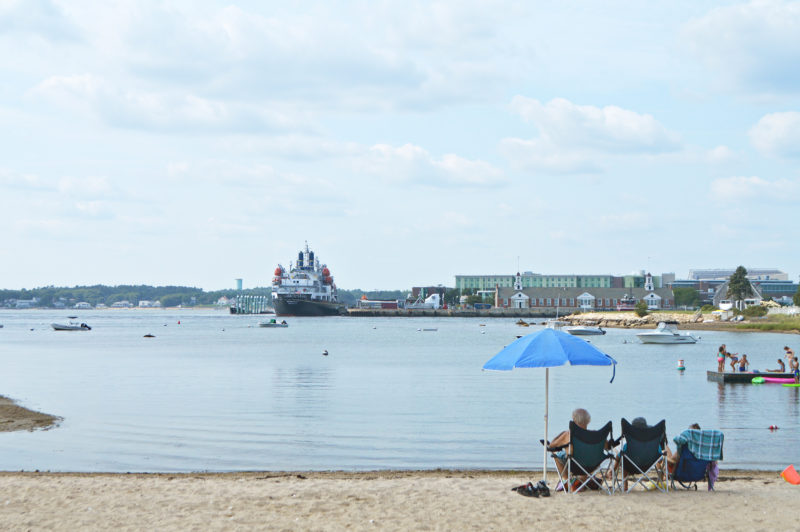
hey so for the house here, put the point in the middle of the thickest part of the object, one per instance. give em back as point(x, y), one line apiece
point(566, 300)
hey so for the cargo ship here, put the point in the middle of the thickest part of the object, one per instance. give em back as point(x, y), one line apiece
point(305, 289)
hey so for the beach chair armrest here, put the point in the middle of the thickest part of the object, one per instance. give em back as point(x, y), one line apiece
point(554, 449)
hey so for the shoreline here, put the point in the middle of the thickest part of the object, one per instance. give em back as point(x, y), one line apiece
point(14, 417)
point(384, 500)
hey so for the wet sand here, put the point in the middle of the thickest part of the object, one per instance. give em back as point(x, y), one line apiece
point(14, 417)
point(385, 500)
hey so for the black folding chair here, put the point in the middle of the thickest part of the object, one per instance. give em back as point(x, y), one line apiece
point(585, 456)
point(644, 453)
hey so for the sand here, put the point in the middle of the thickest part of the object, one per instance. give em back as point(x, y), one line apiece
point(14, 417)
point(420, 500)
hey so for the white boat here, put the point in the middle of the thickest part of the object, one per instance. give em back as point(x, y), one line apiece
point(273, 323)
point(666, 333)
point(555, 324)
point(71, 326)
point(584, 330)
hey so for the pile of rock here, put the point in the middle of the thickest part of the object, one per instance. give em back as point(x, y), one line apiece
point(629, 320)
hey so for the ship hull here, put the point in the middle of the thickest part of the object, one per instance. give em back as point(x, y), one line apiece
point(304, 307)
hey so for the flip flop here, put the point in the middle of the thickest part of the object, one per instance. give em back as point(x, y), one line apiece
point(529, 490)
point(544, 491)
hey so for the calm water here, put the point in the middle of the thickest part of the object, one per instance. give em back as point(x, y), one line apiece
point(217, 393)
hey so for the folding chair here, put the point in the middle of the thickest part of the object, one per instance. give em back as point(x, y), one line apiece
point(584, 457)
point(644, 453)
point(690, 469)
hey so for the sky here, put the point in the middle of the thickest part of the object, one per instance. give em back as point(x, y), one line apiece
point(193, 143)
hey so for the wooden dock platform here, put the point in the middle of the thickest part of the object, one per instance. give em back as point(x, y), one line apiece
point(742, 378)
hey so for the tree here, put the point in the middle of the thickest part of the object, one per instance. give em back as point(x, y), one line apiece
point(686, 297)
point(796, 297)
point(739, 286)
point(641, 308)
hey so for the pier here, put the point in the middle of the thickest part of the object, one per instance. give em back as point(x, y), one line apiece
point(252, 305)
point(742, 378)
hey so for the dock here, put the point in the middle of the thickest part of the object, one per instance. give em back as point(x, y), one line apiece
point(744, 377)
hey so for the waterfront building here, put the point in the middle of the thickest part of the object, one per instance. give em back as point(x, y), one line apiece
point(723, 274)
point(708, 289)
point(538, 280)
point(566, 300)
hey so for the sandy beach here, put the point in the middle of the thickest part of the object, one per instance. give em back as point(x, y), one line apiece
point(384, 500)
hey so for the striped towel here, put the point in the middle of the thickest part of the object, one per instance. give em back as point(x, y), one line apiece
point(704, 444)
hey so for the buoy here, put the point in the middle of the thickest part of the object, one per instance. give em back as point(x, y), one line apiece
point(179, 322)
point(681, 366)
point(773, 427)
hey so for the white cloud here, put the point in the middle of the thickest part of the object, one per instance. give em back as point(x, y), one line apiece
point(754, 190)
point(572, 137)
point(753, 45)
point(609, 129)
point(720, 155)
point(410, 163)
point(777, 134)
point(166, 111)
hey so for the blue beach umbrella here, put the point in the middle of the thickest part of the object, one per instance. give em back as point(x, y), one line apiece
point(549, 348)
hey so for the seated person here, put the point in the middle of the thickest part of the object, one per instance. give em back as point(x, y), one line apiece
point(781, 369)
point(637, 422)
point(672, 458)
point(581, 418)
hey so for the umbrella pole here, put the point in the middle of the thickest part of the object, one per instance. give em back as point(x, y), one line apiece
point(546, 395)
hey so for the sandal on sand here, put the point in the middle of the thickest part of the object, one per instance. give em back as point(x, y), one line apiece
point(529, 490)
point(542, 488)
point(519, 488)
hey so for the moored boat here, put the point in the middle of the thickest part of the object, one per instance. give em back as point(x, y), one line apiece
point(71, 326)
point(306, 289)
point(666, 333)
point(273, 323)
point(584, 330)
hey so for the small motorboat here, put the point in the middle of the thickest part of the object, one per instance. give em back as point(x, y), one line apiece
point(584, 330)
point(71, 326)
point(666, 333)
point(273, 323)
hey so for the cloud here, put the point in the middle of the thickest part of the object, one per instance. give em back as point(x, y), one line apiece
point(572, 136)
point(413, 164)
point(609, 129)
point(753, 190)
point(17, 180)
point(753, 45)
point(720, 155)
point(164, 111)
point(777, 134)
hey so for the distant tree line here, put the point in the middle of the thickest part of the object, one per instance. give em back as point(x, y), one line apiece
point(169, 296)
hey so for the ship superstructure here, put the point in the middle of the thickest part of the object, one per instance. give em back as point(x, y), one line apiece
point(305, 289)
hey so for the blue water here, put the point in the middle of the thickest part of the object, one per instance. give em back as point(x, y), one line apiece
point(217, 393)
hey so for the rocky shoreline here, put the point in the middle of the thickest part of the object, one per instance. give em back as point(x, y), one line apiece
point(629, 320)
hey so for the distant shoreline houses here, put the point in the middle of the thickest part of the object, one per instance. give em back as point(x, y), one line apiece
point(569, 299)
point(572, 293)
